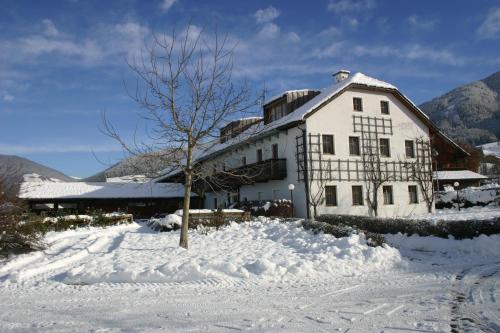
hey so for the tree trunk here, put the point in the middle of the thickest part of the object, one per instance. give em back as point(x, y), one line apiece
point(315, 212)
point(183, 242)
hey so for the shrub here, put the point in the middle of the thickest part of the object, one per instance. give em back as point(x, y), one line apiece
point(342, 230)
point(444, 229)
point(20, 234)
point(275, 208)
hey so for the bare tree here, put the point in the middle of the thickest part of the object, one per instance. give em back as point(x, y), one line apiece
point(376, 174)
point(187, 92)
point(421, 170)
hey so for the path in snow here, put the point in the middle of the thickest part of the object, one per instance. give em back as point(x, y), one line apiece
point(253, 277)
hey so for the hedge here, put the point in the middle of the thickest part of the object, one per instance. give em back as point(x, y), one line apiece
point(444, 228)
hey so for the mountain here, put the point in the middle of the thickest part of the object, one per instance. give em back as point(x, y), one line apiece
point(469, 113)
point(134, 168)
point(15, 169)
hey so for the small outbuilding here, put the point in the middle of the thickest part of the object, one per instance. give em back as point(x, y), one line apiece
point(465, 178)
point(140, 199)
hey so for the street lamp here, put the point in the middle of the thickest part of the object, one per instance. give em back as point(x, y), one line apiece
point(456, 185)
point(291, 187)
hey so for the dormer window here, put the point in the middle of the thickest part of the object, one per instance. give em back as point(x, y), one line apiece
point(357, 103)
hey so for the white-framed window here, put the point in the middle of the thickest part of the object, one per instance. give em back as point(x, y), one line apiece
point(331, 195)
point(357, 104)
point(385, 147)
point(328, 144)
point(357, 195)
point(412, 191)
point(384, 107)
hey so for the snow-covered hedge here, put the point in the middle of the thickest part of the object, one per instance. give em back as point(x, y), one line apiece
point(341, 230)
point(469, 197)
point(275, 208)
point(459, 229)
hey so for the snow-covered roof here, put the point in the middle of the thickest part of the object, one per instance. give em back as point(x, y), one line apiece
point(492, 148)
point(81, 190)
point(457, 174)
point(275, 97)
point(298, 115)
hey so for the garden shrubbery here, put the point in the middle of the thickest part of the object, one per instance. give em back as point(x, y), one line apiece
point(444, 229)
point(342, 230)
point(23, 232)
point(275, 208)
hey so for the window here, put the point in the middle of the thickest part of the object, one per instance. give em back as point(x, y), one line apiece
point(331, 195)
point(357, 195)
point(354, 145)
point(243, 160)
point(275, 151)
point(412, 190)
point(384, 107)
point(357, 104)
point(409, 148)
point(385, 149)
point(328, 147)
point(388, 198)
point(259, 155)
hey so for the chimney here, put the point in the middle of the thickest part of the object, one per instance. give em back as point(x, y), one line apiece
point(341, 75)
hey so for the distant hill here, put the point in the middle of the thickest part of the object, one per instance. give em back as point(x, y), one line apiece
point(469, 113)
point(13, 168)
point(134, 168)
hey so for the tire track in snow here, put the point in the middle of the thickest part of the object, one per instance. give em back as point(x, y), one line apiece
point(63, 260)
point(463, 318)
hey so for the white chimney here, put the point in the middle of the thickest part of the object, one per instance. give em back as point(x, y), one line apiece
point(341, 75)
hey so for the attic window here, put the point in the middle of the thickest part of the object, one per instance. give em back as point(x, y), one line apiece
point(357, 103)
point(384, 107)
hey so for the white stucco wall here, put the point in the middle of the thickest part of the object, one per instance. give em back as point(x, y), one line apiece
point(337, 118)
point(334, 118)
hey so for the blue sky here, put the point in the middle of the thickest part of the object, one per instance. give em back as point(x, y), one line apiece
point(62, 63)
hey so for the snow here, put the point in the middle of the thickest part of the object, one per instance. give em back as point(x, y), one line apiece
point(168, 221)
point(265, 276)
point(457, 175)
point(129, 179)
point(492, 148)
point(208, 211)
point(299, 114)
point(476, 195)
point(48, 190)
point(36, 178)
point(453, 214)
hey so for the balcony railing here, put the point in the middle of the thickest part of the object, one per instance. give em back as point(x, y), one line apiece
point(260, 172)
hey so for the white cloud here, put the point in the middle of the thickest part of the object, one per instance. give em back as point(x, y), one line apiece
point(269, 31)
point(8, 98)
point(49, 28)
point(490, 28)
point(341, 6)
point(353, 23)
point(419, 24)
point(411, 52)
point(166, 4)
point(266, 15)
point(330, 32)
point(293, 37)
point(330, 51)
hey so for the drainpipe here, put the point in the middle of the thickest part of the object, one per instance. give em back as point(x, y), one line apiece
point(306, 174)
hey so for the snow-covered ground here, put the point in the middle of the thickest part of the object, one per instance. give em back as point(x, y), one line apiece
point(259, 276)
point(453, 214)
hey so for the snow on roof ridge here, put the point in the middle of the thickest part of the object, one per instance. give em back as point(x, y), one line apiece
point(49, 190)
point(457, 174)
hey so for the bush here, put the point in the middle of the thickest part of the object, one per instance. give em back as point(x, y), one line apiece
point(275, 208)
point(342, 230)
point(21, 233)
point(444, 229)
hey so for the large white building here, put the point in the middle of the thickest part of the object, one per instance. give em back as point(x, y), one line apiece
point(344, 147)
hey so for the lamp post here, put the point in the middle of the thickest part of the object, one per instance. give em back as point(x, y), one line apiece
point(291, 187)
point(456, 185)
